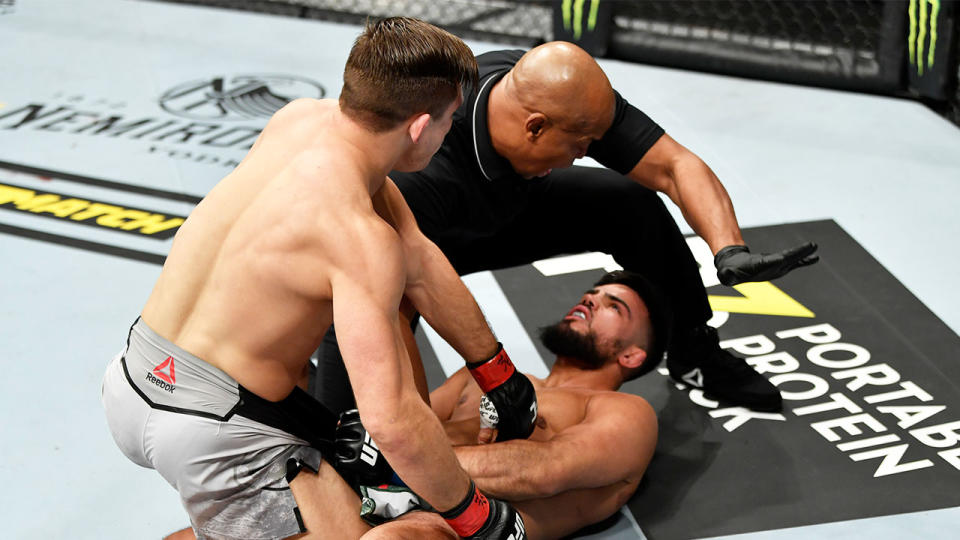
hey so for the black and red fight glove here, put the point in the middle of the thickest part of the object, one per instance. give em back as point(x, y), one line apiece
point(510, 403)
point(481, 517)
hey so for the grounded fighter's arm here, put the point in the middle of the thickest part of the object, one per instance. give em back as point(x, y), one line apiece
point(444, 399)
point(367, 287)
point(668, 167)
point(672, 169)
point(565, 513)
point(614, 443)
point(433, 286)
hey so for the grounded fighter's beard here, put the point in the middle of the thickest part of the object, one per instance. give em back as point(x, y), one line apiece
point(562, 340)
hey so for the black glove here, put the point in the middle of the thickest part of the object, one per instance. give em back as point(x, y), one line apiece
point(503, 523)
point(486, 518)
point(357, 455)
point(511, 394)
point(735, 264)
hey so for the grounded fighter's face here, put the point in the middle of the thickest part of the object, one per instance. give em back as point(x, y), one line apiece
point(606, 320)
point(562, 340)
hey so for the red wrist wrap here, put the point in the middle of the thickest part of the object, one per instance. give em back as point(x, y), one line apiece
point(493, 372)
point(473, 516)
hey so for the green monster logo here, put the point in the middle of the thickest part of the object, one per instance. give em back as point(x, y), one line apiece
point(920, 19)
point(577, 6)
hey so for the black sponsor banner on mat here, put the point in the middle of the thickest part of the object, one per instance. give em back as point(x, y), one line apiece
point(871, 409)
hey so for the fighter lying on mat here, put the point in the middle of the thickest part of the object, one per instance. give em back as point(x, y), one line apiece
point(591, 445)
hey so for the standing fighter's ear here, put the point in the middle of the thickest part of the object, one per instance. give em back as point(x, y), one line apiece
point(534, 126)
point(417, 127)
point(632, 357)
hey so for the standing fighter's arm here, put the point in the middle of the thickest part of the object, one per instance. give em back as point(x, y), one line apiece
point(670, 168)
point(433, 286)
point(614, 443)
point(435, 289)
point(367, 285)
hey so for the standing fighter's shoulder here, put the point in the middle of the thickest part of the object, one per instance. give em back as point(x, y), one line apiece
point(303, 108)
point(363, 239)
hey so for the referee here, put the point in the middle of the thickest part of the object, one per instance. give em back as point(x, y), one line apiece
point(502, 192)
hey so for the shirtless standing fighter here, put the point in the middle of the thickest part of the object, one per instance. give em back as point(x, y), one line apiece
point(592, 444)
point(306, 231)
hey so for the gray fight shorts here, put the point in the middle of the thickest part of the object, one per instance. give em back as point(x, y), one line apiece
point(227, 452)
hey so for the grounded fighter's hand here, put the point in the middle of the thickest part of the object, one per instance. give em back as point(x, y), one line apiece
point(511, 403)
point(482, 517)
point(735, 264)
point(358, 456)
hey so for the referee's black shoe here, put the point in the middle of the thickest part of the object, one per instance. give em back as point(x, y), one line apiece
point(696, 359)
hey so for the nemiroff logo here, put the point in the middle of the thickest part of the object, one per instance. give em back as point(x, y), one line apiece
point(240, 97)
point(206, 121)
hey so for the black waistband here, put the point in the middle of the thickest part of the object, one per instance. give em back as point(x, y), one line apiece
point(298, 414)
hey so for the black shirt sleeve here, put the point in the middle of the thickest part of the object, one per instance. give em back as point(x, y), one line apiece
point(492, 61)
point(628, 139)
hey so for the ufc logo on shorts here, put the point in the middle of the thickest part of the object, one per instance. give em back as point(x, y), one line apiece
point(519, 533)
point(370, 452)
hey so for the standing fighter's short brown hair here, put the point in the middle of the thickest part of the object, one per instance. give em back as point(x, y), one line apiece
point(400, 67)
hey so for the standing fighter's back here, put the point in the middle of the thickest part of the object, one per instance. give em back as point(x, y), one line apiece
point(260, 238)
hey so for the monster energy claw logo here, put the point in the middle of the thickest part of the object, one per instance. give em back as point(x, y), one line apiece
point(577, 16)
point(920, 19)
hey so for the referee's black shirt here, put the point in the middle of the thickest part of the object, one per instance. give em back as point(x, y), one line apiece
point(470, 191)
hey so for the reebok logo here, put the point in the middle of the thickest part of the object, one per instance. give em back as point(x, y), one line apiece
point(694, 378)
point(164, 375)
point(170, 376)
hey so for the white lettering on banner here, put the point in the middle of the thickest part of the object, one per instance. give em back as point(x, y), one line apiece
point(940, 436)
point(67, 120)
point(848, 424)
point(908, 390)
point(837, 401)
point(891, 463)
point(877, 375)
point(750, 345)
point(816, 355)
point(696, 396)
point(854, 431)
point(576, 263)
point(818, 333)
point(911, 415)
point(740, 416)
point(818, 386)
point(849, 363)
point(778, 362)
